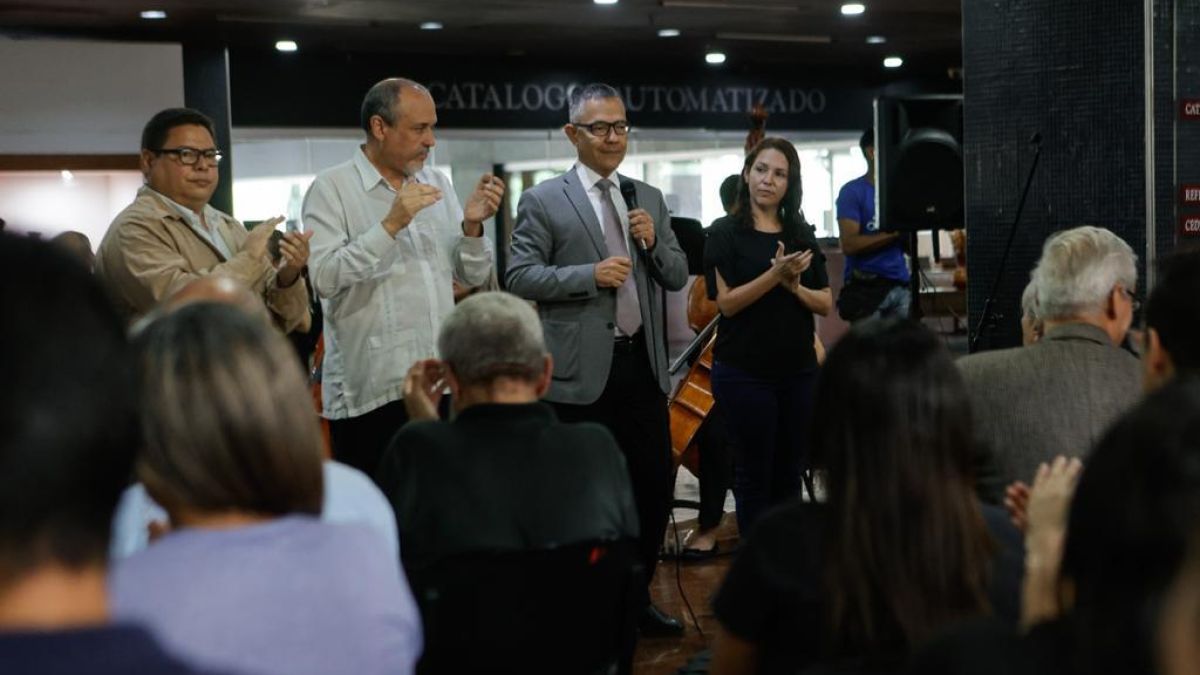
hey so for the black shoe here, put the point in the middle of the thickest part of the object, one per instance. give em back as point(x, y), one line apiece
point(654, 623)
point(699, 554)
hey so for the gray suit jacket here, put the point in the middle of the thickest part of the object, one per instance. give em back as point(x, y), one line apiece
point(1055, 397)
point(556, 244)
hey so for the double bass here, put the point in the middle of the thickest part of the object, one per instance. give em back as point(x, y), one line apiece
point(692, 400)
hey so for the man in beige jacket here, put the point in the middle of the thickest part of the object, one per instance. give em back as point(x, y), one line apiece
point(170, 235)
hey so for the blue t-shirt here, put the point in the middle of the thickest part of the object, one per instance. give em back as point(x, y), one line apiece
point(856, 202)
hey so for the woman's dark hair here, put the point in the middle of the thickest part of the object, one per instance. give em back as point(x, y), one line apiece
point(795, 230)
point(1131, 519)
point(908, 549)
point(227, 421)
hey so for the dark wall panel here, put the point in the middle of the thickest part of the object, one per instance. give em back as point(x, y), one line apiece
point(1071, 70)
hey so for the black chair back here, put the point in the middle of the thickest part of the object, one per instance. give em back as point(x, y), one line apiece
point(570, 609)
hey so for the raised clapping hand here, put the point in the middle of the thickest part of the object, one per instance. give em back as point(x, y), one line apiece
point(256, 240)
point(788, 267)
point(423, 389)
point(294, 256)
point(1045, 532)
point(612, 272)
point(483, 202)
point(641, 228)
point(410, 199)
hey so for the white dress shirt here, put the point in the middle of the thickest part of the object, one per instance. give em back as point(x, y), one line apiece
point(384, 298)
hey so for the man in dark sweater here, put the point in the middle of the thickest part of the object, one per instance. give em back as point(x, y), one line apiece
point(504, 474)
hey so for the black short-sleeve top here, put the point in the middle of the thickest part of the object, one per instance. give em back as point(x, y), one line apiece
point(774, 335)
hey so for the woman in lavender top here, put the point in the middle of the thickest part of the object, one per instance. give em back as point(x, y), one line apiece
point(249, 579)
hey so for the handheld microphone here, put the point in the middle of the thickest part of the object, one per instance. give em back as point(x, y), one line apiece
point(629, 192)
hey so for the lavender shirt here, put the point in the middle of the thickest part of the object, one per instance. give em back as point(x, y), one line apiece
point(292, 595)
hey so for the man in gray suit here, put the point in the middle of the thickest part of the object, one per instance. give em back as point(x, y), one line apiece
point(1058, 395)
point(598, 270)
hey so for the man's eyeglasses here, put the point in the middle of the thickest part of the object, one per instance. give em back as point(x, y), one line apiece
point(601, 129)
point(190, 156)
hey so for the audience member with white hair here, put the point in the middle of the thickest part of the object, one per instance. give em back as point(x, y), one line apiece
point(1060, 394)
point(504, 474)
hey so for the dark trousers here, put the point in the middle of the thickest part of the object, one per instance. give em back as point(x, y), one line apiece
point(715, 447)
point(635, 410)
point(769, 418)
point(360, 441)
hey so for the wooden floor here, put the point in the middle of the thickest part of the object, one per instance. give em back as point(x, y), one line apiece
point(660, 656)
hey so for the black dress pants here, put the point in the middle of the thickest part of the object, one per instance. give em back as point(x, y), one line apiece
point(635, 410)
point(360, 441)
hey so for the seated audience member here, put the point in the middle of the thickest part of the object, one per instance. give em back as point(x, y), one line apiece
point(902, 549)
point(1172, 336)
point(78, 246)
point(1058, 395)
point(247, 578)
point(170, 234)
point(1102, 565)
point(67, 440)
point(1171, 342)
point(349, 495)
point(1031, 322)
point(504, 474)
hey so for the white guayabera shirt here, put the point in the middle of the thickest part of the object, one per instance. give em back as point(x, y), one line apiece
point(384, 299)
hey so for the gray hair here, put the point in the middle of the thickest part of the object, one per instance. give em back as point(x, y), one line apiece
point(589, 92)
point(490, 335)
point(227, 421)
point(1029, 306)
point(1078, 269)
point(382, 99)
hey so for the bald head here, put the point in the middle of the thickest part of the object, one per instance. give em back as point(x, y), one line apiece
point(77, 245)
point(221, 290)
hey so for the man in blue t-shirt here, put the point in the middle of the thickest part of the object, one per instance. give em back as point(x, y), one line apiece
point(875, 264)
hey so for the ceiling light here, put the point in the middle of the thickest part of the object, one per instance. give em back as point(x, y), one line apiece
point(876, 40)
point(431, 25)
point(605, 2)
point(286, 46)
point(714, 58)
point(853, 8)
point(67, 176)
point(668, 32)
point(893, 62)
point(154, 14)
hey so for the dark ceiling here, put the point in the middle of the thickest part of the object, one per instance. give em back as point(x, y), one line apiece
point(812, 34)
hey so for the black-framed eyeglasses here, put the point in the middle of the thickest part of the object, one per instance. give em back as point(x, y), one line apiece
point(190, 156)
point(601, 129)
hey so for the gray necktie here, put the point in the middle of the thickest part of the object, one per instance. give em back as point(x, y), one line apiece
point(629, 315)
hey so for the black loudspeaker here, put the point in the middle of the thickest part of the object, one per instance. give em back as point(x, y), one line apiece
point(919, 163)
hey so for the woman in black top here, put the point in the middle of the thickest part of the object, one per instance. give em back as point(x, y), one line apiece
point(767, 274)
point(901, 549)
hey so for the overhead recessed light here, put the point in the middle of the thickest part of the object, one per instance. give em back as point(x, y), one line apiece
point(853, 8)
point(67, 176)
point(876, 40)
point(431, 25)
point(668, 32)
point(605, 2)
point(286, 46)
point(714, 58)
point(893, 62)
point(154, 14)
